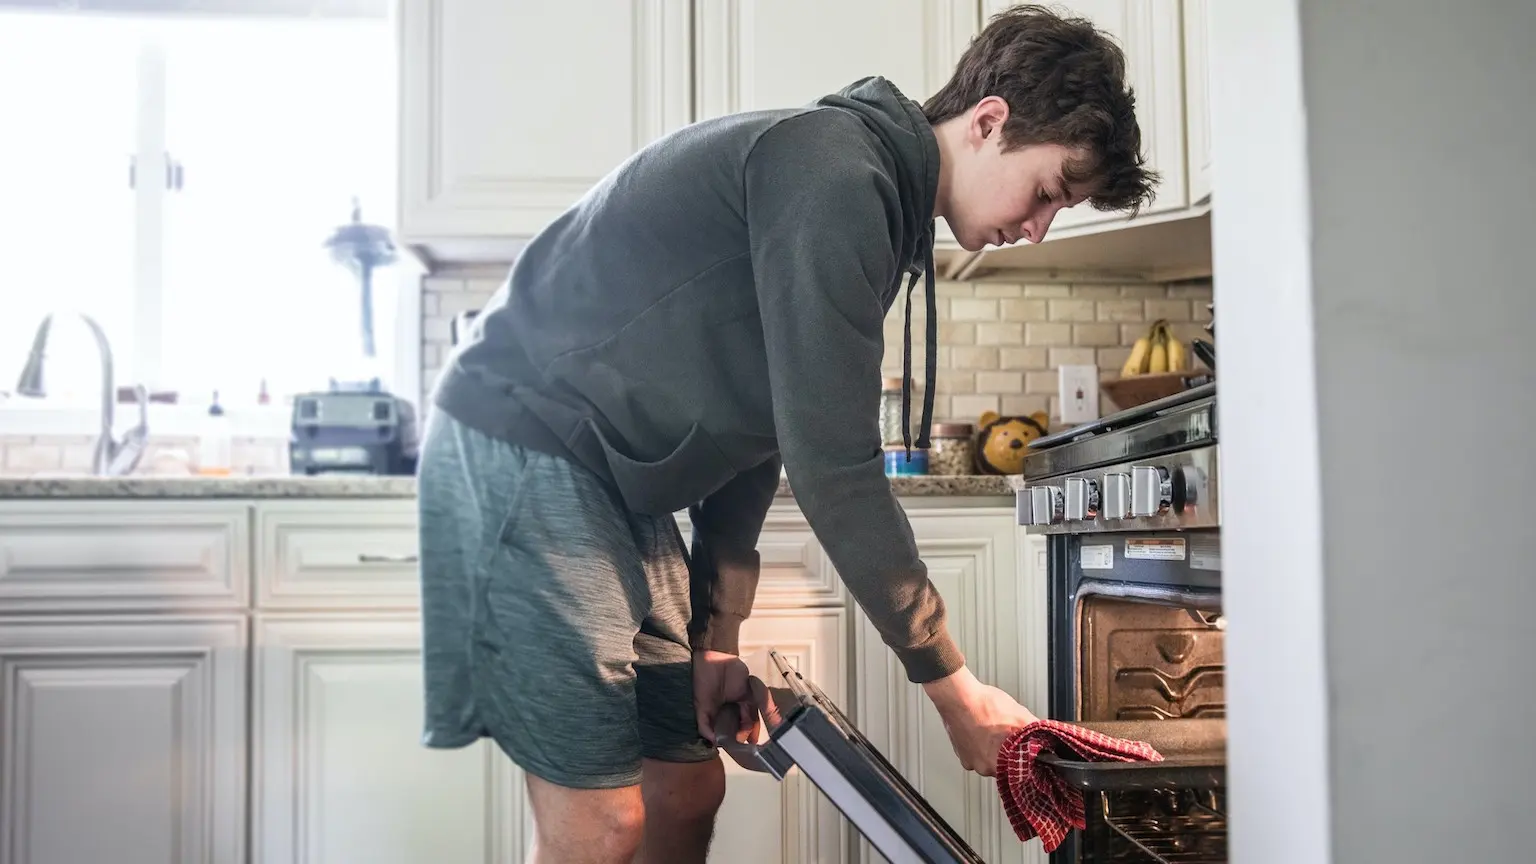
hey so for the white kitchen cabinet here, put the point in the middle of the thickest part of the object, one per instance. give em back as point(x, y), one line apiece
point(995, 600)
point(131, 729)
point(795, 571)
point(800, 610)
point(1197, 97)
point(123, 556)
point(1151, 34)
point(122, 739)
point(491, 152)
point(754, 54)
point(338, 769)
point(763, 820)
point(317, 555)
point(509, 112)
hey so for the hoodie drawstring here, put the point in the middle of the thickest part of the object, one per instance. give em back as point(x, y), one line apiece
point(931, 342)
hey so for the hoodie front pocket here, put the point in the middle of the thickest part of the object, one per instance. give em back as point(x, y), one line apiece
point(687, 475)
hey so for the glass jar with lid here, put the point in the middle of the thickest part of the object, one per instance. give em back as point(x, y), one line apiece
point(952, 449)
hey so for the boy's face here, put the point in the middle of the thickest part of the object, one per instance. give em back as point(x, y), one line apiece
point(998, 197)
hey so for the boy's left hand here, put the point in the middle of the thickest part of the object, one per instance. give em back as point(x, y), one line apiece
point(720, 679)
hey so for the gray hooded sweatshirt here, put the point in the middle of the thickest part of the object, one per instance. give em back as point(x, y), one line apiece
point(714, 308)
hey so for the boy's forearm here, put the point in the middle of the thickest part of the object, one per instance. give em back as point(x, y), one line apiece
point(726, 564)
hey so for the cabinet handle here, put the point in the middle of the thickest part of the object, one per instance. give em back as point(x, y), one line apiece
point(365, 558)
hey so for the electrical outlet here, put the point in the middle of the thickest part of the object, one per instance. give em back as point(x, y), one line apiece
point(1079, 393)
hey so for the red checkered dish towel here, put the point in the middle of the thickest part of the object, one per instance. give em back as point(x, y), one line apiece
point(1037, 800)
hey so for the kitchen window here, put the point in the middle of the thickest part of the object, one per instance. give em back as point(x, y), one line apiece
point(174, 173)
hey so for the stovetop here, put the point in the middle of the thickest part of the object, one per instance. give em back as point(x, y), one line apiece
point(1183, 421)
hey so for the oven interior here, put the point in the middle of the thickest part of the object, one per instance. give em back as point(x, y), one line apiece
point(1152, 669)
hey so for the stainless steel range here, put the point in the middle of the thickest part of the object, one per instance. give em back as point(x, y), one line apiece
point(1132, 509)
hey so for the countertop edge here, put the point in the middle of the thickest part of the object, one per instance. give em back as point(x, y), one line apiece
point(19, 488)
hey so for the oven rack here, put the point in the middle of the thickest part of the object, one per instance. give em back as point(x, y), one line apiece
point(1184, 839)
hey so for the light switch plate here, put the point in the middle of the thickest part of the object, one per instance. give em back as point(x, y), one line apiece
point(1079, 393)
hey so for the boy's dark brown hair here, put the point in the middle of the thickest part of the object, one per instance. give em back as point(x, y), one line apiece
point(1064, 82)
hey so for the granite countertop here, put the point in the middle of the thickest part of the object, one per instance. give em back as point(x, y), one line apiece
point(344, 486)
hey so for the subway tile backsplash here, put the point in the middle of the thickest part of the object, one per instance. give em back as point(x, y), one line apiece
point(999, 343)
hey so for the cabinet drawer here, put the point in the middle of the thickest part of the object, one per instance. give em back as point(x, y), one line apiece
point(335, 554)
point(795, 570)
point(109, 556)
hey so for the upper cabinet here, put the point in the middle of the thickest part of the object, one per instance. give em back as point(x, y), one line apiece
point(1165, 50)
point(510, 112)
point(752, 54)
point(1150, 33)
point(778, 54)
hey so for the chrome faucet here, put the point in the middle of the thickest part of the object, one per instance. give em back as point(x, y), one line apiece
point(112, 457)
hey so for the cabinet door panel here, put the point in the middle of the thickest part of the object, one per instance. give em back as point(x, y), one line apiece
point(1150, 32)
point(511, 111)
point(754, 54)
point(338, 762)
point(122, 740)
point(973, 560)
point(765, 821)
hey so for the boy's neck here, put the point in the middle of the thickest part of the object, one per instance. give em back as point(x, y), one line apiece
point(950, 135)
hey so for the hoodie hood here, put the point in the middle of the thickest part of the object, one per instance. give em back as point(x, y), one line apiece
point(901, 125)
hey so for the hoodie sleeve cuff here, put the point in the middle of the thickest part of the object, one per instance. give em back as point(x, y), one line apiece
point(939, 657)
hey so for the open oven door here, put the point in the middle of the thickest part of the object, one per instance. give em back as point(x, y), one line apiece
point(806, 729)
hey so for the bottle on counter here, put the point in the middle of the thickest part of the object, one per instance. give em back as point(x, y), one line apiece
point(954, 449)
point(215, 443)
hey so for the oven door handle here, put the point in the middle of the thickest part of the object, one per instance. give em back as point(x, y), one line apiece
point(765, 758)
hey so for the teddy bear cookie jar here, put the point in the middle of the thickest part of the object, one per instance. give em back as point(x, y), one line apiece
point(1002, 441)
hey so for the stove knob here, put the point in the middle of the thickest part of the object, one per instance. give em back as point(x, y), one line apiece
point(1188, 488)
point(1044, 505)
point(1151, 491)
point(1082, 499)
point(1117, 495)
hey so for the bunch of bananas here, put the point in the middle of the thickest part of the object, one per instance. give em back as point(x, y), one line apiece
point(1158, 351)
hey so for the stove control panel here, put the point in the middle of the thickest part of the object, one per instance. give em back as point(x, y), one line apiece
point(1174, 491)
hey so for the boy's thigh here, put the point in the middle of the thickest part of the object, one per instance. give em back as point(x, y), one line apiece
point(663, 658)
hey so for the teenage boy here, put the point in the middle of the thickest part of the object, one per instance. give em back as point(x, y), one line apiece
point(709, 312)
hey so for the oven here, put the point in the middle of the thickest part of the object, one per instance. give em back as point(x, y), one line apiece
point(1130, 505)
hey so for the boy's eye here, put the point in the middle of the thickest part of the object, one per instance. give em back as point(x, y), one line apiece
point(1044, 197)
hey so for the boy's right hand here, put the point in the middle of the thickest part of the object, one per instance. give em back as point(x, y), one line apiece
point(978, 718)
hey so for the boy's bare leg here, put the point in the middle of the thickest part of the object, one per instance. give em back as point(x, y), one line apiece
point(681, 799)
point(585, 826)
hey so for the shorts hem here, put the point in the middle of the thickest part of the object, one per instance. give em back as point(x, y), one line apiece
point(566, 779)
point(683, 757)
point(446, 741)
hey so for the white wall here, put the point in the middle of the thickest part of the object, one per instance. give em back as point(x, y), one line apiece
point(1376, 168)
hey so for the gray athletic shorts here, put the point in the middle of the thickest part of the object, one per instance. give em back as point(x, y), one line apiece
point(554, 621)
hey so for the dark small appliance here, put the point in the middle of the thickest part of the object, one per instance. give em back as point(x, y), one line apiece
point(362, 431)
point(355, 426)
